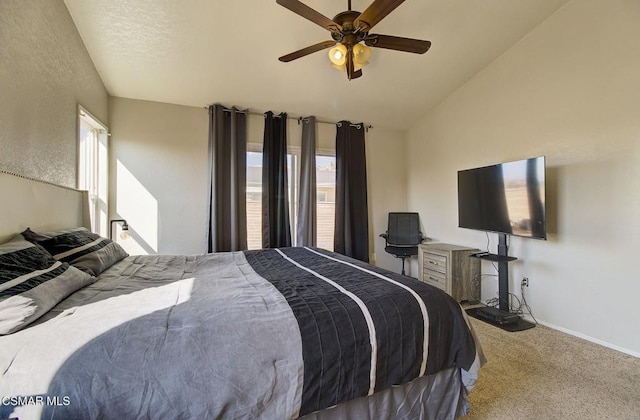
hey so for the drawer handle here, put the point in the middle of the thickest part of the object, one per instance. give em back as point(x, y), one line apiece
point(433, 262)
point(433, 278)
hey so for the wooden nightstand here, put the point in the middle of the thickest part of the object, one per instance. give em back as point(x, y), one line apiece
point(450, 268)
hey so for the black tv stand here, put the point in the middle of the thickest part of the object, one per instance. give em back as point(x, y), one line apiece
point(503, 259)
point(493, 257)
point(504, 320)
point(496, 316)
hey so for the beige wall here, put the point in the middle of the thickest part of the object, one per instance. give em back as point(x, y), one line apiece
point(45, 72)
point(387, 189)
point(569, 90)
point(159, 173)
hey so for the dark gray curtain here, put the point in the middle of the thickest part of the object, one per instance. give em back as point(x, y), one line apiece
point(307, 230)
point(276, 227)
point(227, 179)
point(352, 218)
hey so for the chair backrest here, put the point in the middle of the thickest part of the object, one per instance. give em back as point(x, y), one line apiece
point(404, 229)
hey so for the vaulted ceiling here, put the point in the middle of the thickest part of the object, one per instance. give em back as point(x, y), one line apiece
point(198, 52)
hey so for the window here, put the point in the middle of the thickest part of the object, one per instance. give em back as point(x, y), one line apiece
point(326, 199)
point(325, 185)
point(93, 168)
point(254, 200)
point(254, 196)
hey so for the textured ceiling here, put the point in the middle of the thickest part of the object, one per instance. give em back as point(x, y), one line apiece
point(198, 52)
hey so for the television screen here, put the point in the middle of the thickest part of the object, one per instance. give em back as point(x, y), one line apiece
point(505, 198)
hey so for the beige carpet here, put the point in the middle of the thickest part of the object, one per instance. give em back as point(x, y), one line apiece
point(545, 374)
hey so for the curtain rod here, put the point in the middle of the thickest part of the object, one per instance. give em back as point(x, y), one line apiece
point(299, 118)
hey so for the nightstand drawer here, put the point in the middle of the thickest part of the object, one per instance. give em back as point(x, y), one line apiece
point(435, 262)
point(450, 268)
point(435, 279)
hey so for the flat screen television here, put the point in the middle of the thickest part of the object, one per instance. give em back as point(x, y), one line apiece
point(506, 198)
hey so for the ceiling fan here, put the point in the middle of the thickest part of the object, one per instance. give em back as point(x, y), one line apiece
point(350, 35)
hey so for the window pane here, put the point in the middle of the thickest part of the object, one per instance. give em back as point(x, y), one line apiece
point(254, 200)
point(254, 197)
point(85, 170)
point(326, 199)
point(93, 169)
point(292, 181)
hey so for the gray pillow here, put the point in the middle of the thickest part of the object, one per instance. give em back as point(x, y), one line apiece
point(32, 282)
point(82, 249)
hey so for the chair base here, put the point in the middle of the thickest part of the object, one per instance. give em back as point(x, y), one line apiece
point(403, 258)
point(402, 252)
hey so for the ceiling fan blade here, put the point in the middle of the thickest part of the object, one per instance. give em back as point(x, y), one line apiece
point(308, 13)
point(306, 51)
point(375, 13)
point(397, 43)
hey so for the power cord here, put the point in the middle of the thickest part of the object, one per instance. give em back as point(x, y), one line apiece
point(475, 285)
point(518, 309)
point(522, 304)
point(525, 305)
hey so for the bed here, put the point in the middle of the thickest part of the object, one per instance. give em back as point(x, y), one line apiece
point(275, 334)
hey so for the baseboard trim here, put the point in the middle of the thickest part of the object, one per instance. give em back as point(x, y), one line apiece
point(589, 338)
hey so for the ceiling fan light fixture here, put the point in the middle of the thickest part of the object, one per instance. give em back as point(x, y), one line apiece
point(359, 66)
point(337, 67)
point(361, 54)
point(338, 55)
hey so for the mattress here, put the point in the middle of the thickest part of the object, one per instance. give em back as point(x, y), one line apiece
point(274, 334)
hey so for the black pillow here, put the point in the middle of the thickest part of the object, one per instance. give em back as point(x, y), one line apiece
point(82, 249)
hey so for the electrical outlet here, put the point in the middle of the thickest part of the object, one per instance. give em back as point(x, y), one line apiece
point(525, 282)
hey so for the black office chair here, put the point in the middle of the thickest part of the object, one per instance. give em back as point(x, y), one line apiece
point(403, 235)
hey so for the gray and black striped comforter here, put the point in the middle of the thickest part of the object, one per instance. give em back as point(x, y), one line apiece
point(270, 334)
